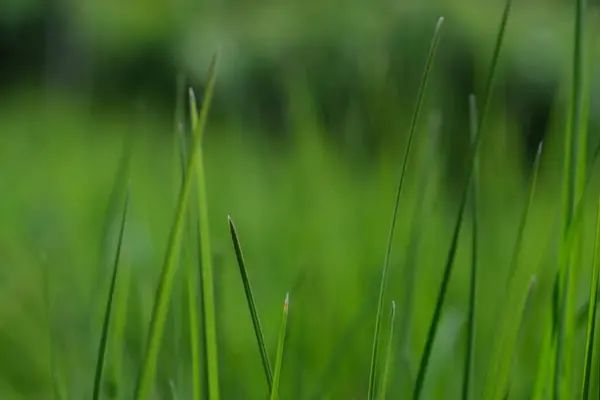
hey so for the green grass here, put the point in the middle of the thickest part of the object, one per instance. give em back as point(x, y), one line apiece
point(386, 262)
point(315, 224)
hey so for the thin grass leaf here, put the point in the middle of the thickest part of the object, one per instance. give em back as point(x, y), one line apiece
point(439, 304)
point(590, 336)
point(469, 353)
point(121, 309)
point(384, 273)
point(251, 304)
point(418, 388)
point(208, 303)
point(164, 290)
point(512, 299)
point(417, 230)
point(109, 302)
point(280, 347)
point(544, 367)
point(191, 290)
point(574, 178)
point(388, 353)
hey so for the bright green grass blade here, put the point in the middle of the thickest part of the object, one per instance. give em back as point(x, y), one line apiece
point(454, 243)
point(109, 302)
point(590, 337)
point(575, 150)
point(388, 353)
point(251, 304)
point(513, 299)
point(523, 222)
point(191, 290)
point(469, 353)
point(192, 296)
point(163, 293)
point(280, 346)
point(210, 330)
point(384, 273)
point(544, 366)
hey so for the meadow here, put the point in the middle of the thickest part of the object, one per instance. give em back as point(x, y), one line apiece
point(313, 220)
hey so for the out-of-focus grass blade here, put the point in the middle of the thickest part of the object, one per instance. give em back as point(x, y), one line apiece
point(208, 303)
point(109, 302)
point(192, 277)
point(574, 181)
point(120, 318)
point(280, 346)
point(251, 304)
point(163, 293)
point(388, 353)
point(454, 244)
point(469, 353)
point(499, 371)
point(384, 273)
point(439, 303)
point(589, 347)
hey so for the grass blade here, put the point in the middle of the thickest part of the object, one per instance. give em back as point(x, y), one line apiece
point(208, 303)
point(251, 304)
point(590, 336)
point(121, 308)
point(280, 346)
point(454, 243)
point(384, 273)
point(469, 354)
point(163, 293)
point(388, 353)
point(108, 309)
point(439, 303)
point(498, 373)
point(575, 150)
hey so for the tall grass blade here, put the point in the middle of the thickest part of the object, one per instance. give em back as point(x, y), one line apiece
point(388, 353)
point(208, 303)
point(592, 311)
point(513, 298)
point(575, 150)
point(191, 290)
point(121, 308)
point(163, 293)
point(454, 243)
point(384, 273)
point(109, 302)
point(251, 304)
point(280, 346)
point(439, 303)
point(469, 354)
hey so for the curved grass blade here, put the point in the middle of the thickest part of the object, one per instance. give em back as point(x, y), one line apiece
point(453, 246)
point(109, 302)
point(280, 346)
point(384, 273)
point(251, 304)
point(163, 293)
point(590, 336)
point(469, 354)
point(388, 353)
point(574, 178)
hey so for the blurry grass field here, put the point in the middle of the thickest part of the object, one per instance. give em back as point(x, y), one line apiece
point(312, 221)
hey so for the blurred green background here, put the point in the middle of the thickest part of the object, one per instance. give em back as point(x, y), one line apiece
point(303, 148)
